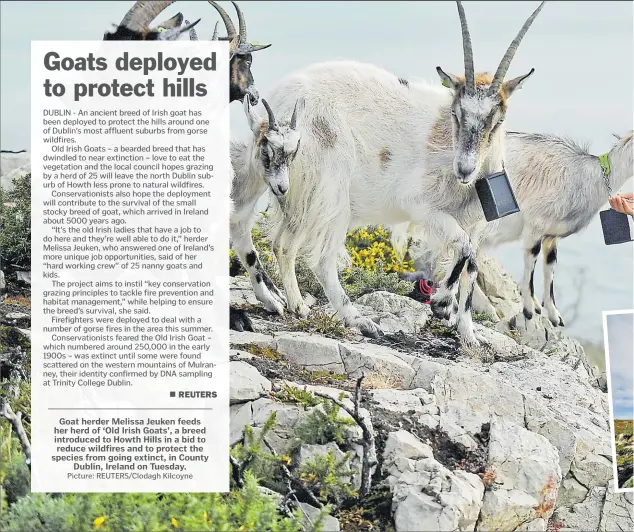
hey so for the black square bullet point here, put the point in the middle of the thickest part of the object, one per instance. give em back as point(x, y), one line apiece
point(172, 394)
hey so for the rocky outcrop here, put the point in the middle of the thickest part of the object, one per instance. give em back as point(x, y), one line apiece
point(512, 436)
point(524, 473)
point(496, 290)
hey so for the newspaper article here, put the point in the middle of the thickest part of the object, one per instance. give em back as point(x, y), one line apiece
point(130, 363)
point(316, 266)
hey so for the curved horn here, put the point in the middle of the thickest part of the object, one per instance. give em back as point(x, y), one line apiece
point(231, 29)
point(272, 122)
point(214, 37)
point(193, 36)
point(142, 13)
point(508, 56)
point(242, 25)
point(294, 117)
point(469, 69)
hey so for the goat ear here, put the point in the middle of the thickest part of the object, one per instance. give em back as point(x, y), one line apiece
point(510, 86)
point(448, 80)
point(252, 117)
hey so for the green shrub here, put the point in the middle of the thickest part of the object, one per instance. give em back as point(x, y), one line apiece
point(16, 482)
point(244, 509)
point(324, 425)
point(328, 478)
point(360, 281)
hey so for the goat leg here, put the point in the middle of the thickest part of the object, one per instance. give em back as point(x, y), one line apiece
point(549, 250)
point(265, 290)
point(532, 246)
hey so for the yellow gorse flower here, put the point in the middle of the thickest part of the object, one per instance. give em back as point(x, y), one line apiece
point(98, 522)
point(174, 522)
point(366, 248)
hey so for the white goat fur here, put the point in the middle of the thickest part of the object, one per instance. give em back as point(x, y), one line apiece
point(249, 182)
point(376, 151)
point(560, 187)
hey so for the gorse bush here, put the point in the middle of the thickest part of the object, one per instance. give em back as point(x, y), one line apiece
point(371, 249)
point(359, 281)
point(15, 223)
point(243, 509)
point(375, 264)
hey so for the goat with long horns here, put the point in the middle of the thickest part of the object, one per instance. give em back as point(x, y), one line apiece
point(388, 152)
point(241, 79)
point(275, 150)
point(135, 25)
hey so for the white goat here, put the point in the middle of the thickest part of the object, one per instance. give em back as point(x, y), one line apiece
point(261, 163)
point(376, 150)
point(560, 187)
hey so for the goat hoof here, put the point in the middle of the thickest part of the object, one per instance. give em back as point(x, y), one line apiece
point(368, 328)
point(470, 341)
point(275, 305)
point(278, 295)
point(302, 310)
point(239, 320)
point(555, 318)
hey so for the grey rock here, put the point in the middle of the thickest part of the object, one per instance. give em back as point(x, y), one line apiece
point(403, 401)
point(25, 333)
point(241, 292)
point(240, 415)
point(527, 477)
point(380, 361)
point(238, 339)
point(618, 510)
point(395, 313)
point(482, 304)
point(287, 418)
point(403, 444)
point(570, 492)
point(311, 352)
point(585, 515)
point(468, 399)
point(499, 287)
point(24, 277)
point(567, 410)
point(537, 332)
point(246, 382)
point(430, 497)
point(18, 319)
point(537, 525)
point(311, 515)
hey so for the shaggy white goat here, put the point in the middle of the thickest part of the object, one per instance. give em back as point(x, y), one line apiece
point(242, 88)
point(560, 187)
point(377, 150)
point(260, 164)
